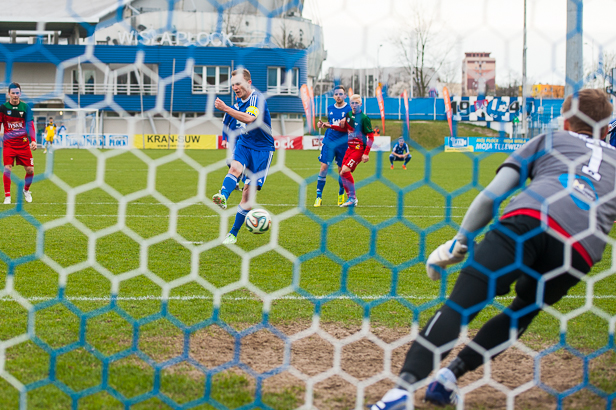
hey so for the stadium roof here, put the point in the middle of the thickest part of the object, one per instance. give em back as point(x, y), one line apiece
point(55, 15)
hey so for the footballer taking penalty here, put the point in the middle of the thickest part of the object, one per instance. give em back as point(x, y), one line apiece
point(19, 140)
point(360, 139)
point(254, 146)
point(548, 238)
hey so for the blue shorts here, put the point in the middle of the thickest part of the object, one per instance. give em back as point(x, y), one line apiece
point(333, 149)
point(257, 162)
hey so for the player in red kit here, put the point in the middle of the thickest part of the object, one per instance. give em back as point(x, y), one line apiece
point(18, 141)
point(361, 136)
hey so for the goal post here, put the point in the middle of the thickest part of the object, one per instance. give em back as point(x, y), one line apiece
point(67, 120)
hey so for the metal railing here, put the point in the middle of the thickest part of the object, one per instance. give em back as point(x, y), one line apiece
point(57, 91)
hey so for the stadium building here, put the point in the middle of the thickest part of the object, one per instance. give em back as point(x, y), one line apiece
point(142, 61)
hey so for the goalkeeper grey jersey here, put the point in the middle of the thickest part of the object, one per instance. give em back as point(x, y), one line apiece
point(577, 204)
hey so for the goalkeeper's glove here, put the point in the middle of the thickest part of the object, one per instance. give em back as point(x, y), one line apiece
point(447, 254)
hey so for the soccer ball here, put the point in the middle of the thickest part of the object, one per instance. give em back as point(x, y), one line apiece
point(258, 221)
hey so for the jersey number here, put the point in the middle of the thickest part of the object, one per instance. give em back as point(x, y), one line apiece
point(351, 162)
point(592, 168)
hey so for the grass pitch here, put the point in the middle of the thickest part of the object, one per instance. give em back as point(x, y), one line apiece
point(134, 225)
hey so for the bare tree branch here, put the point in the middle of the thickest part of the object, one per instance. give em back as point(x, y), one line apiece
point(430, 53)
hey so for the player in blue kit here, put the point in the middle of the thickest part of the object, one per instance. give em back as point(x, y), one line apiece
point(400, 152)
point(334, 144)
point(254, 146)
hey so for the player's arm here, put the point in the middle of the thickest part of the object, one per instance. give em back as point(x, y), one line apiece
point(478, 215)
point(342, 126)
point(30, 131)
point(367, 129)
point(247, 117)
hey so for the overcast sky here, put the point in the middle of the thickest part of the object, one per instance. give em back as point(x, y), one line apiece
point(354, 29)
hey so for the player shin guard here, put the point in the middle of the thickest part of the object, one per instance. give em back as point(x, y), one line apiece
point(228, 185)
point(28, 181)
point(6, 177)
point(340, 186)
point(240, 217)
point(349, 184)
point(321, 183)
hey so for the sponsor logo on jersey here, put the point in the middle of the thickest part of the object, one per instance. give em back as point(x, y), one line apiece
point(9, 112)
point(13, 125)
point(21, 113)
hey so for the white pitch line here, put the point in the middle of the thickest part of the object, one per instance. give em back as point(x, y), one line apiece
point(241, 298)
point(216, 216)
point(270, 205)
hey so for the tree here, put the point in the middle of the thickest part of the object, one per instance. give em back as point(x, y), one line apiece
point(427, 55)
point(598, 74)
point(512, 88)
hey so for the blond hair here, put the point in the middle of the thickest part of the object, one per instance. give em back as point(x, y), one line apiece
point(245, 73)
point(355, 97)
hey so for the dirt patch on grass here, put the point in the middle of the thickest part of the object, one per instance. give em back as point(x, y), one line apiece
point(326, 366)
point(323, 372)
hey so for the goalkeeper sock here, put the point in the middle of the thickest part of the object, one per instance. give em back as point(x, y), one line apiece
point(340, 186)
point(228, 185)
point(240, 217)
point(28, 181)
point(321, 183)
point(7, 183)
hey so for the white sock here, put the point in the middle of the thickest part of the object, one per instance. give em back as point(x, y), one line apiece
point(448, 378)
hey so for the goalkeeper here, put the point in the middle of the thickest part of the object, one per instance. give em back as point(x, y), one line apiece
point(548, 237)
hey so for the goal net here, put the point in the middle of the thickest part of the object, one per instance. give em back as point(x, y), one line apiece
point(118, 289)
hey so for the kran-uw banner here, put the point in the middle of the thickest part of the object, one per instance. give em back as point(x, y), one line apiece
point(164, 141)
point(483, 144)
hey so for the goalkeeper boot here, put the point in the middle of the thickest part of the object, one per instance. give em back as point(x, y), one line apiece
point(351, 202)
point(443, 390)
point(230, 239)
point(27, 196)
point(340, 199)
point(317, 202)
point(395, 399)
point(220, 200)
point(7, 200)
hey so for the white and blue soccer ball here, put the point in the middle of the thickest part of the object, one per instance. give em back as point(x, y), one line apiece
point(258, 221)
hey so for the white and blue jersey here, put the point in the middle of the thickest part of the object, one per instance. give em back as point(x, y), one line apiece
point(257, 135)
point(401, 150)
point(334, 142)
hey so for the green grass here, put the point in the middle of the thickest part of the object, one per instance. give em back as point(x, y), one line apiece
point(97, 251)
